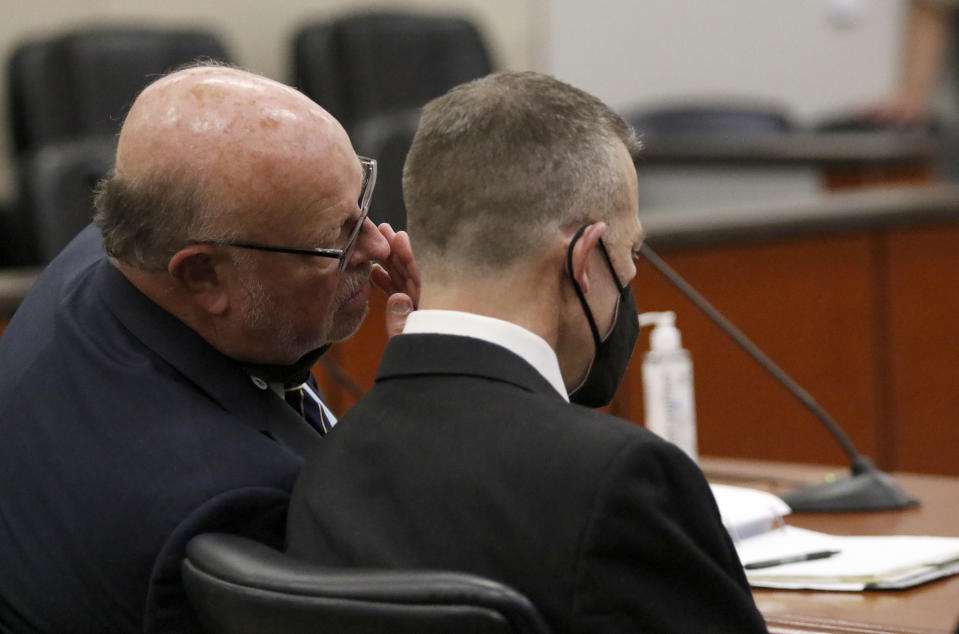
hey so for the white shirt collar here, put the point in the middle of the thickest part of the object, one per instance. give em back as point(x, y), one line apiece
point(531, 347)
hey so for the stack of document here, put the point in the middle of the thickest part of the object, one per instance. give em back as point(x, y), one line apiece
point(776, 555)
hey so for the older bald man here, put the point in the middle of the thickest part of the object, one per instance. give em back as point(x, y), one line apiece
point(142, 382)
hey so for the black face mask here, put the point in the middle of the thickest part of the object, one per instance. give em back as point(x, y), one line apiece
point(612, 354)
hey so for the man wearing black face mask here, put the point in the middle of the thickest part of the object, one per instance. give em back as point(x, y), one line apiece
point(466, 455)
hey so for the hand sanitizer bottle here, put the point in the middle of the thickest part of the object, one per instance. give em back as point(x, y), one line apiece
point(668, 384)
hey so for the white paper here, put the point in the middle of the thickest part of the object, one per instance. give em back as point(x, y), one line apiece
point(889, 561)
point(747, 512)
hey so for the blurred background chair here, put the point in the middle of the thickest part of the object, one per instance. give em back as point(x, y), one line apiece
point(75, 86)
point(56, 187)
point(721, 118)
point(239, 586)
point(82, 82)
point(373, 71)
point(708, 152)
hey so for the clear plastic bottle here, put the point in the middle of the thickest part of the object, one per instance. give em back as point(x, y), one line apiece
point(668, 383)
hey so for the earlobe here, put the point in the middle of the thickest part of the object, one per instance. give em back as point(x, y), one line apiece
point(582, 254)
point(196, 271)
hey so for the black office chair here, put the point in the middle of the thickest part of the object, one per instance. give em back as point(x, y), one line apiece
point(712, 118)
point(56, 194)
point(239, 586)
point(66, 89)
point(388, 137)
point(82, 82)
point(371, 63)
point(374, 70)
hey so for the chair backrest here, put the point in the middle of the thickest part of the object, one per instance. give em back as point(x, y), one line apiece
point(372, 63)
point(239, 586)
point(56, 187)
point(387, 137)
point(82, 82)
point(374, 70)
point(739, 119)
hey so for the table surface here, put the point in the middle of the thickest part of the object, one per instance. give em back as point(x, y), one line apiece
point(933, 607)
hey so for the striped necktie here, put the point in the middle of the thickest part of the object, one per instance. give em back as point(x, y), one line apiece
point(307, 407)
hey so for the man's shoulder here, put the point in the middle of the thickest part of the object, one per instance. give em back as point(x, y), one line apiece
point(82, 252)
point(537, 421)
point(585, 424)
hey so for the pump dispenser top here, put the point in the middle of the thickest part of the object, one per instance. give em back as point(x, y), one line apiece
point(664, 336)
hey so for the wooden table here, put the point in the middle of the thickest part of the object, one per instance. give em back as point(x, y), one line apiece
point(933, 607)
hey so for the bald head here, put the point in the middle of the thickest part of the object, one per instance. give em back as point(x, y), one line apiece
point(210, 149)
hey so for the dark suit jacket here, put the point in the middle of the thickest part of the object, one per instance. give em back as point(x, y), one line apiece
point(122, 435)
point(462, 457)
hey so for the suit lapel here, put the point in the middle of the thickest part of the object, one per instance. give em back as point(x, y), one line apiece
point(429, 354)
point(219, 377)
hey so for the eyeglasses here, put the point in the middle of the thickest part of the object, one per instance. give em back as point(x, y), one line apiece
point(343, 255)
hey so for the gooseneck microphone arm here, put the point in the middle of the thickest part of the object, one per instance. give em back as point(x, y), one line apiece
point(869, 489)
point(751, 349)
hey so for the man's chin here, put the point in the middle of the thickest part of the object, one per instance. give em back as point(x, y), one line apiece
point(347, 322)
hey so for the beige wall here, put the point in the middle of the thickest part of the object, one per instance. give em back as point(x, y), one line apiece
point(258, 34)
point(814, 58)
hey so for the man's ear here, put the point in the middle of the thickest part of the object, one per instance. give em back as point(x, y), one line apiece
point(197, 269)
point(583, 251)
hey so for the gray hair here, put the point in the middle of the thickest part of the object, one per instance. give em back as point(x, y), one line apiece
point(145, 221)
point(498, 163)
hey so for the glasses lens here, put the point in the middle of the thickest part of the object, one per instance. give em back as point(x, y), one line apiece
point(366, 196)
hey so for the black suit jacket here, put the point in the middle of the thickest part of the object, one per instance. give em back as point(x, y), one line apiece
point(463, 457)
point(122, 435)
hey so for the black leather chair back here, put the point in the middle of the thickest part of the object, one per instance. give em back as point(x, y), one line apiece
point(372, 63)
point(83, 82)
point(316, 68)
point(239, 586)
point(388, 137)
point(712, 118)
point(374, 70)
point(56, 185)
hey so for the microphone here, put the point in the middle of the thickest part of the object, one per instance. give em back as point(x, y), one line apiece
point(866, 488)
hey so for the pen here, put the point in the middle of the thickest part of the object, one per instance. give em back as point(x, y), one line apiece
point(769, 563)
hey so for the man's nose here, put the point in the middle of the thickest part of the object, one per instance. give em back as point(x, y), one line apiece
point(371, 245)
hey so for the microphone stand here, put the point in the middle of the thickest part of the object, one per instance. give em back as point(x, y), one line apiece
point(866, 488)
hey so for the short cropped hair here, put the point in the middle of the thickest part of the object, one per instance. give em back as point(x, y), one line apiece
point(498, 163)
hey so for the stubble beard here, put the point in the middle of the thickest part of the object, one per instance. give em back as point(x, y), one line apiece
point(342, 325)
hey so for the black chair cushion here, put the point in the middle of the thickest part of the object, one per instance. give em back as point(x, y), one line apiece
point(239, 586)
point(388, 137)
point(83, 82)
point(378, 62)
point(711, 118)
point(57, 184)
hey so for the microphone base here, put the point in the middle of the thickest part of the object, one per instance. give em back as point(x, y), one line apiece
point(866, 489)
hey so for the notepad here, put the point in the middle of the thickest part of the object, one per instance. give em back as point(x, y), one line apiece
point(862, 562)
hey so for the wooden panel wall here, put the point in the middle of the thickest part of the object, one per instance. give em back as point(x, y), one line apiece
point(924, 351)
point(808, 305)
